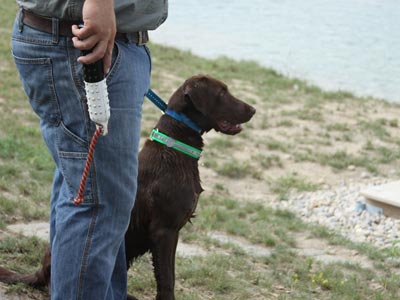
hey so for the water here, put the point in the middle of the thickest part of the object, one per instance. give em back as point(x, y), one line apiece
point(351, 45)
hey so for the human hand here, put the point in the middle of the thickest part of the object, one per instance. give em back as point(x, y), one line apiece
point(98, 32)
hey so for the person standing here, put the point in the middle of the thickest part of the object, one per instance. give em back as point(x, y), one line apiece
point(87, 241)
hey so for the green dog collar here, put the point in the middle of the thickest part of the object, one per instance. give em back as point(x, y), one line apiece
point(174, 144)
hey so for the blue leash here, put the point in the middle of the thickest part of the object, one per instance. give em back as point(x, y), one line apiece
point(153, 97)
point(157, 101)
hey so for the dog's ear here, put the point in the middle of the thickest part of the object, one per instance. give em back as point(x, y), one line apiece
point(177, 102)
point(196, 92)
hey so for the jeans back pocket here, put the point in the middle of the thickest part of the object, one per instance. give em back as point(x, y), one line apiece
point(37, 80)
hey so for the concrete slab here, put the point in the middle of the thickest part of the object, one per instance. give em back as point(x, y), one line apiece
point(385, 196)
point(39, 229)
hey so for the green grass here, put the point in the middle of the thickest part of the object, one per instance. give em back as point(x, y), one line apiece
point(247, 220)
point(338, 127)
point(238, 170)
point(220, 144)
point(268, 161)
point(275, 145)
point(285, 184)
point(285, 123)
point(228, 272)
point(22, 254)
point(377, 128)
point(341, 160)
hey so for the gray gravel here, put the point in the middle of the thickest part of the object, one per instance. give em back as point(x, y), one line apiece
point(338, 209)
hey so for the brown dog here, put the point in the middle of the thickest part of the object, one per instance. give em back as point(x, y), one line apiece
point(168, 180)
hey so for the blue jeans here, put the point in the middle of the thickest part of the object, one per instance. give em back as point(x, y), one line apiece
point(87, 241)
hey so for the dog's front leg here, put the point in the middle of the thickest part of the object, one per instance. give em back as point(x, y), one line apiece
point(163, 251)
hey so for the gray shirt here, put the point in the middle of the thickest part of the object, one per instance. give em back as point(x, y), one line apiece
point(131, 15)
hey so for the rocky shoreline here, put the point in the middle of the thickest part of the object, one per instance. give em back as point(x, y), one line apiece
point(337, 208)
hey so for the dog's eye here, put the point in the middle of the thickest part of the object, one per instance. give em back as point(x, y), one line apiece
point(222, 93)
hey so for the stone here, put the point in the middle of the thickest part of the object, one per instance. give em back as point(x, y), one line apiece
point(365, 175)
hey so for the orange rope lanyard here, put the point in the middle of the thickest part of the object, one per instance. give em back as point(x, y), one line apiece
point(79, 199)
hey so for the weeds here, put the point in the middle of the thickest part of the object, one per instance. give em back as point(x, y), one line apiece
point(237, 170)
point(268, 161)
point(286, 184)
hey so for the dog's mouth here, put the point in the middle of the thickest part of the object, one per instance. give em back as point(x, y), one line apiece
point(229, 128)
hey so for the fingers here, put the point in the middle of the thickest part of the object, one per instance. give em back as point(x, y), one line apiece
point(81, 32)
point(86, 44)
point(101, 46)
point(97, 53)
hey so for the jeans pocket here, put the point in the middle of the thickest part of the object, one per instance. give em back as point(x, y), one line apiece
point(72, 152)
point(115, 60)
point(34, 73)
point(72, 166)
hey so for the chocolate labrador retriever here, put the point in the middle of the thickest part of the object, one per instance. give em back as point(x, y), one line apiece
point(168, 180)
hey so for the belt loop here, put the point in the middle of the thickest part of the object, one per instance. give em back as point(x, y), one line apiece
point(20, 19)
point(140, 38)
point(143, 37)
point(55, 30)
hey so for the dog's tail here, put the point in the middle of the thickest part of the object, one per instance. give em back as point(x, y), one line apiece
point(39, 279)
point(8, 276)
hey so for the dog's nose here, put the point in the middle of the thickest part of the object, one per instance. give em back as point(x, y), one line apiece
point(252, 110)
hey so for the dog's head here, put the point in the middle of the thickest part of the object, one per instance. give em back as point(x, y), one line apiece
point(208, 102)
